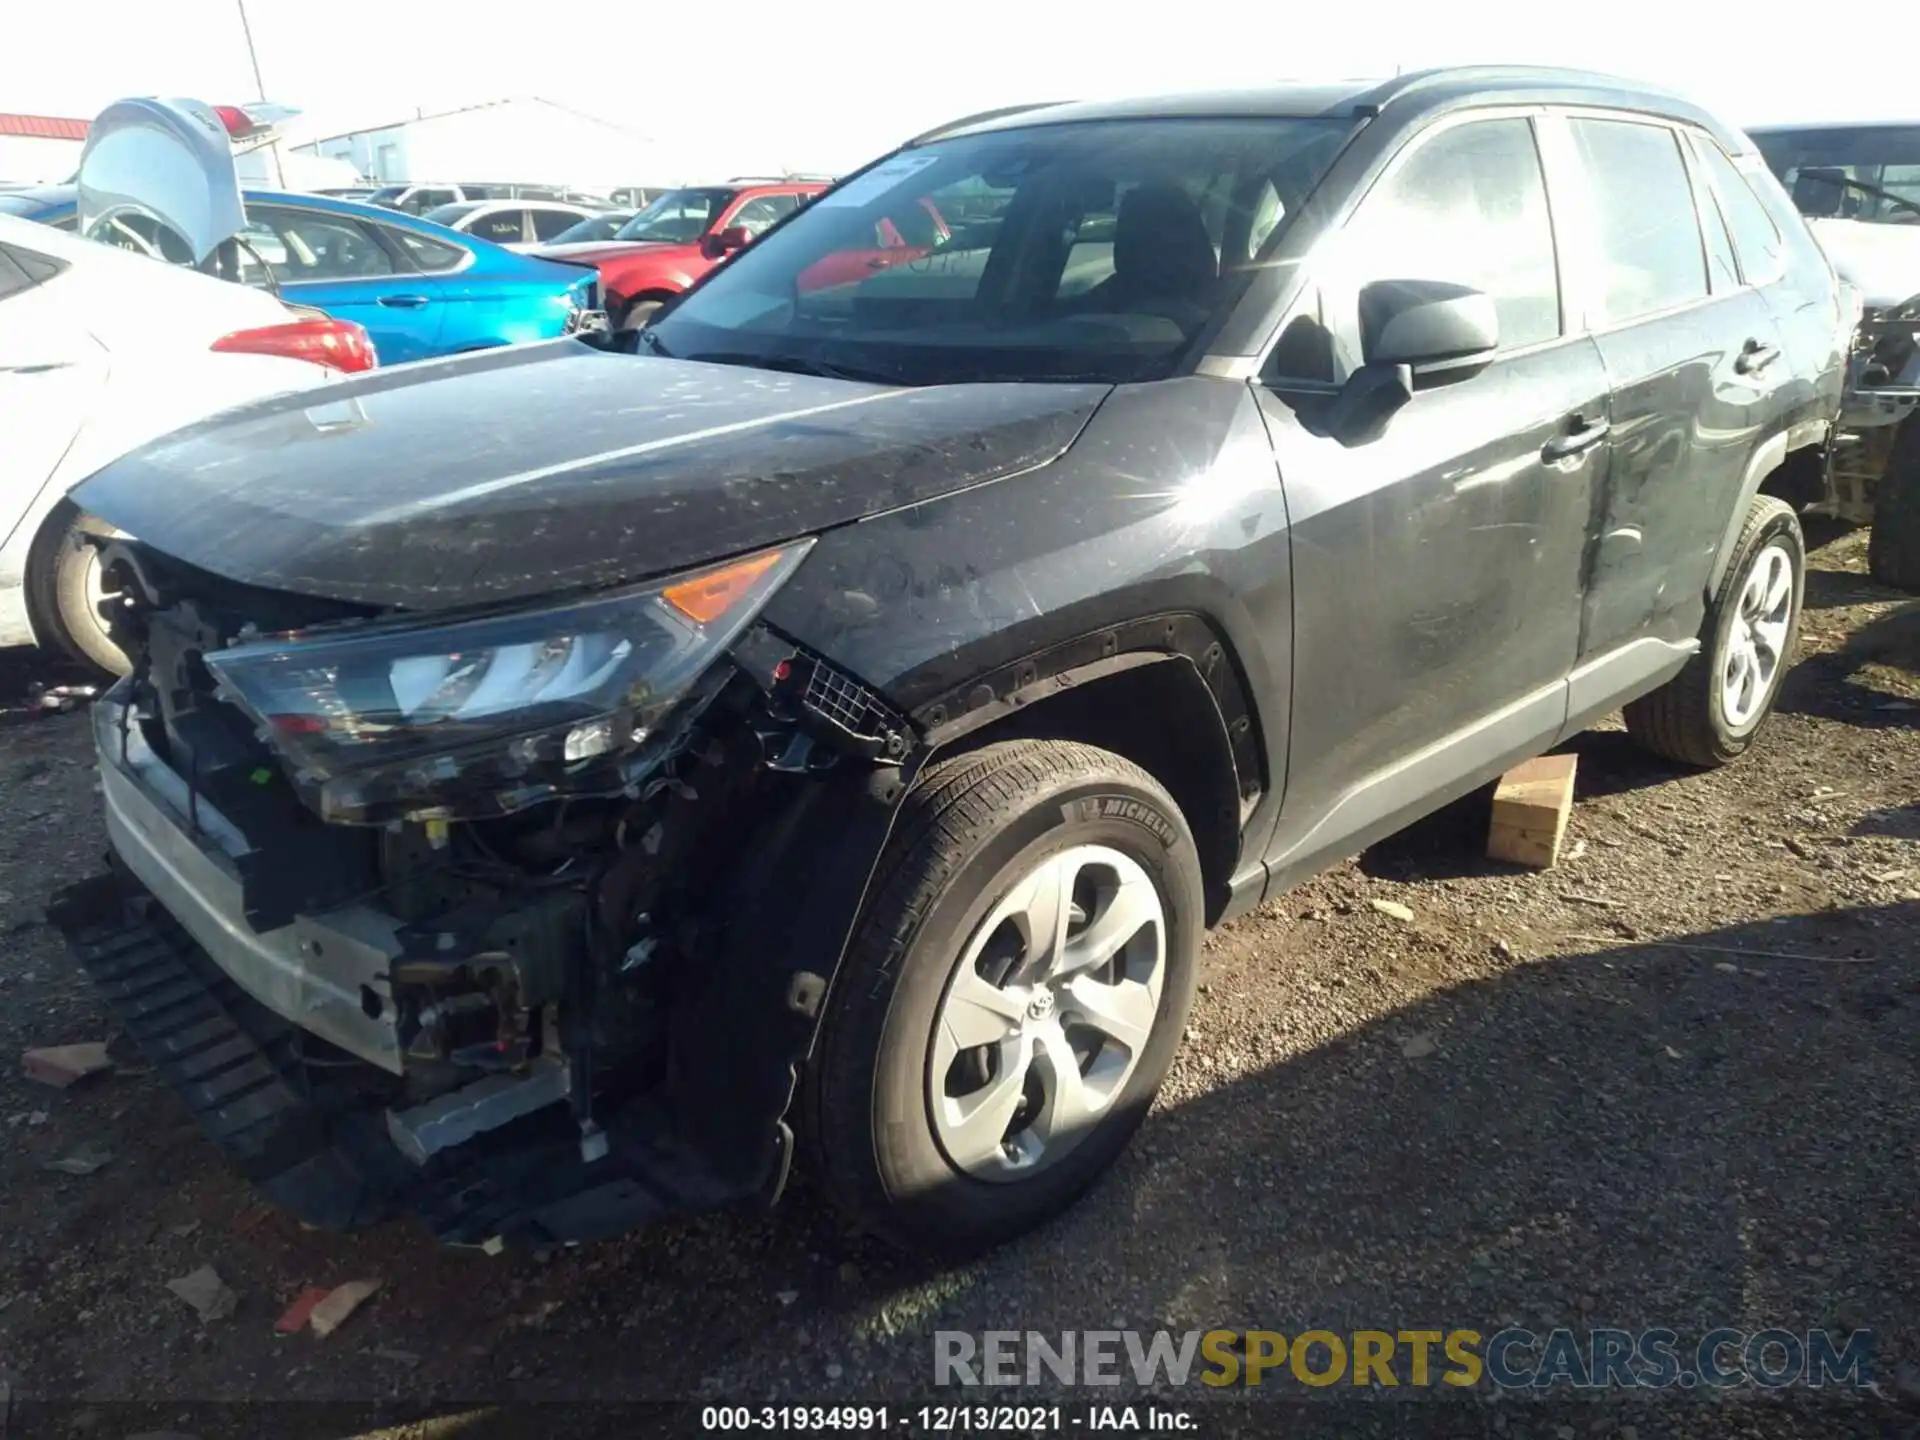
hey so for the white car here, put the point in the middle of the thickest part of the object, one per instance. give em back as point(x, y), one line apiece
point(103, 350)
point(516, 224)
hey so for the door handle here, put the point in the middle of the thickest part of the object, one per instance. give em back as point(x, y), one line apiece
point(1575, 442)
point(1755, 357)
point(404, 302)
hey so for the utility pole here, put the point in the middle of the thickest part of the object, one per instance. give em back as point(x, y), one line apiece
point(259, 85)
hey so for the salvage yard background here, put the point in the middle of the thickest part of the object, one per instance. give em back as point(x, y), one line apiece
point(1670, 1082)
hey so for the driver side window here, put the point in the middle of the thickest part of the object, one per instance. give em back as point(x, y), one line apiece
point(1467, 206)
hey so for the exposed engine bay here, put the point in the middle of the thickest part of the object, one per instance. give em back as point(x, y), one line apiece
point(483, 917)
point(1883, 392)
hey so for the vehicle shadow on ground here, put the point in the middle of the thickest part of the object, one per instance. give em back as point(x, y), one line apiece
point(1871, 682)
point(1574, 1115)
point(1751, 1087)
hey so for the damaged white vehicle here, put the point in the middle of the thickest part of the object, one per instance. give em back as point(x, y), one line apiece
point(102, 350)
point(1859, 188)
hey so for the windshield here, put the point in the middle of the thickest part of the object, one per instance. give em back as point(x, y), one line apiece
point(595, 227)
point(1095, 251)
point(679, 216)
point(1850, 172)
point(452, 214)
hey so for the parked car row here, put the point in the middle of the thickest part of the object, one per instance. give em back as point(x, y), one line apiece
point(567, 786)
point(420, 289)
point(1859, 188)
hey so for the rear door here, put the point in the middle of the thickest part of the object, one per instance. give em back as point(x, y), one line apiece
point(1777, 255)
point(338, 264)
point(1437, 567)
point(1694, 362)
point(51, 374)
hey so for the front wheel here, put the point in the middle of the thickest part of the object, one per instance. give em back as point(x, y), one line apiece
point(1710, 712)
point(63, 589)
point(1011, 999)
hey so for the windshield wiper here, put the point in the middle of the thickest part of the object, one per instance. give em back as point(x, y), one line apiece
point(799, 365)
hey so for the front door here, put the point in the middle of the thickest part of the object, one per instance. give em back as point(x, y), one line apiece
point(1694, 363)
point(1437, 567)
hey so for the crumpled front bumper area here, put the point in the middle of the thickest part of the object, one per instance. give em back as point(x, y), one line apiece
point(319, 1147)
point(231, 1017)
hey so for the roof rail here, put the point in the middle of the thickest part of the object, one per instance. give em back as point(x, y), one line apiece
point(982, 117)
point(779, 179)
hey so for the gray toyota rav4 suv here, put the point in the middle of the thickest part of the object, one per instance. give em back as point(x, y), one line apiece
point(567, 786)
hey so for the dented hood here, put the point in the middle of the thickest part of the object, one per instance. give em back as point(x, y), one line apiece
point(542, 468)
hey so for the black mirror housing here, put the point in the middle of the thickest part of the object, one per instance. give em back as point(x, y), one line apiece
point(1437, 329)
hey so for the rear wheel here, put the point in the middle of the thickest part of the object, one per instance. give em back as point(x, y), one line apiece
point(63, 589)
point(1709, 713)
point(1893, 547)
point(1011, 998)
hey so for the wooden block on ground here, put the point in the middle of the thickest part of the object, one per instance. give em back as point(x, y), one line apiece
point(1530, 810)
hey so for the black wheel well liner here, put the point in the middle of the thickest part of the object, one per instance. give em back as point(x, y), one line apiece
point(745, 1030)
point(1160, 691)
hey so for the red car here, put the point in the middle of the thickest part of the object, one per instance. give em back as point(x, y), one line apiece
point(678, 238)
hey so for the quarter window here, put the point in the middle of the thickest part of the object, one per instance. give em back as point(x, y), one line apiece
point(503, 227)
point(427, 255)
point(1646, 230)
point(1756, 239)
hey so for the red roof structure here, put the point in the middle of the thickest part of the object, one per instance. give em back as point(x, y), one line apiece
point(43, 127)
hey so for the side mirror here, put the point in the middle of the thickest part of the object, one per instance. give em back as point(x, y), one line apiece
point(1435, 328)
point(1413, 333)
point(725, 242)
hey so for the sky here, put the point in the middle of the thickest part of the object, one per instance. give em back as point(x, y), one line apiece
point(778, 84)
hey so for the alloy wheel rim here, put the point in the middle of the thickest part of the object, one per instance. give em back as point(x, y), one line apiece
point(1048, 1013)
point(1756, 645)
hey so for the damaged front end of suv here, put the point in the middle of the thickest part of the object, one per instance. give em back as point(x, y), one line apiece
point(452, 915)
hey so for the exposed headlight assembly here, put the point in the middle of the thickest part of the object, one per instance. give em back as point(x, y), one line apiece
point(485, 716)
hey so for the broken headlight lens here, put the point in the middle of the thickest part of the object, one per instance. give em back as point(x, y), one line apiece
point(485, 716)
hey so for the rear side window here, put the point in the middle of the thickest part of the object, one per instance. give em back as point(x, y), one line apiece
point(550, 224)
point(1756, 239)
point(502, 227)
point(1647, 232)
point(428, 255)
point(306, 245)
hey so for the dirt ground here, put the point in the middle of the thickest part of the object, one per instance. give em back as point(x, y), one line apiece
point(1671, 1082)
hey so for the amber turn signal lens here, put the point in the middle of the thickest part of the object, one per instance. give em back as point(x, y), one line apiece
point(708, 596)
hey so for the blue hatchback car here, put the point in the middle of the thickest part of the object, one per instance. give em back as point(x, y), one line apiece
point(420, 289)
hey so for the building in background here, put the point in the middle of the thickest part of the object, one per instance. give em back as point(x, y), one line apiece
point(519, 141)
point(39, 149)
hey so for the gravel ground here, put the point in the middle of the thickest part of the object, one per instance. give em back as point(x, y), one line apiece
point(1671, 1082)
